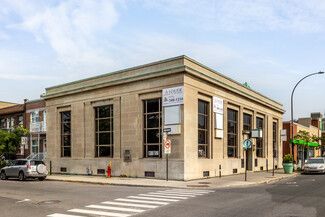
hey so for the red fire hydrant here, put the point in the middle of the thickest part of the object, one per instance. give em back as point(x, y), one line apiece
point(108, 171)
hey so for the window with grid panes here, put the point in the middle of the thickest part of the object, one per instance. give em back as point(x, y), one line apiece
point(247, 124)
point(104, 131)
point(66, 134)
point(21, 121)
point(12, 121)
point(3, 124)
point(203, 117)
point(275, 135)
point(259, 141)
point(232, 133)
point(152, 127)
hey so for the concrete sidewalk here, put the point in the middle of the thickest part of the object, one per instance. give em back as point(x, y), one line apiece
point(207, 183)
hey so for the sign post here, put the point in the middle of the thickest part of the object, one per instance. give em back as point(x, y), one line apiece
point(24, 143)
point(167, 145)
point(246, 144)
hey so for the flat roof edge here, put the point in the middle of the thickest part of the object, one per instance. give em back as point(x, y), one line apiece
point(118, 71)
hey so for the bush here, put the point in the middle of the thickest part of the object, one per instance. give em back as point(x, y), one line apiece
point(288, 158)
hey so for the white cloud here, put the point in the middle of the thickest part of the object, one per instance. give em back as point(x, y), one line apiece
point(4, 36)
point(249, 15)
point(71, 28)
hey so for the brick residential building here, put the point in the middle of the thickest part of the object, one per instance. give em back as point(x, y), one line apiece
point(13, 116)
point(36, 124)
point(32, 116)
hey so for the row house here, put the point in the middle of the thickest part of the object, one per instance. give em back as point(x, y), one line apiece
point(13, 116)
point(32, 116)
point(36, 124)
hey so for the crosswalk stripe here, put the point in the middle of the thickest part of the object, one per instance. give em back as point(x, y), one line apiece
point(164, 196)
point(63, 215)
point(191, 191)
point(147, 200)
point(130, 204)
point(184, 193)
point(115, 208)
point(141, 201)
point(153, 198)
point(84, 211)
point(172, 194)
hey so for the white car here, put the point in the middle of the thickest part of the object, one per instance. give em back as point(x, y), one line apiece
point(23, 169)
point(315, 165)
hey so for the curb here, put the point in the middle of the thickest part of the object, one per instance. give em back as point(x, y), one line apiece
point(248, 184)
point(114, 184)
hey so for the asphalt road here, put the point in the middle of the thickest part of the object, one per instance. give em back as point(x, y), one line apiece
point(300, 196)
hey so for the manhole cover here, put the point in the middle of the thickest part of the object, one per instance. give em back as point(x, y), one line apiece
point(204, 183)
point(49, 202)
point(198, 186)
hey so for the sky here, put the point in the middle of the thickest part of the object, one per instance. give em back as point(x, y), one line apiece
point(270, 44)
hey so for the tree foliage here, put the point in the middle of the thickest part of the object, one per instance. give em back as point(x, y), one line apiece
point(305, 136)
point(10, 140)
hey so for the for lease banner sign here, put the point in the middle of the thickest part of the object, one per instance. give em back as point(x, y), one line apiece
point(173, 96)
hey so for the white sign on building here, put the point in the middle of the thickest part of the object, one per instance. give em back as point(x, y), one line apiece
point(217, 105)
point(218, 110)
point(173, 96)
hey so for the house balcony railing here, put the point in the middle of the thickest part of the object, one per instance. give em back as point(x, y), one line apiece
point(38, 127)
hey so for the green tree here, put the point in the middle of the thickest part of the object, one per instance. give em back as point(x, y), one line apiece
point(306, 138)
point(10, 140)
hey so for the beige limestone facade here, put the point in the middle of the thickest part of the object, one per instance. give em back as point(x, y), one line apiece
point(127, 90)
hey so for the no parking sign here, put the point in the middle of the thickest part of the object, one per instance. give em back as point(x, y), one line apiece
point(167, 146)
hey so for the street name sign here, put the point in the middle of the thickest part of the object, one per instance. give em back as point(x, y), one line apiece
point(167, 130)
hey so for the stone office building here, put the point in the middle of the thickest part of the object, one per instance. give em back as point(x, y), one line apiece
point(119, 117)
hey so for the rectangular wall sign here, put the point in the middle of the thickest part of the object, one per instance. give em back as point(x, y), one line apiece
point(217, 105)
point(173, 96)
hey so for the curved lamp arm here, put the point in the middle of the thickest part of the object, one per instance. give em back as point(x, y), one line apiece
point(292, 144)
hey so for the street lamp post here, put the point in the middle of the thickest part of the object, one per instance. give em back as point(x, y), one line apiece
point(292, 144)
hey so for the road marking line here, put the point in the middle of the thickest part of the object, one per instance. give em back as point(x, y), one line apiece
point(291, 183)
point(84, 211)
point(115, 208)
point(63, 215)
point(171, 194)
point(130, 204)
point(163, 196)
point(25, 200)
point(141, 201)
point(191, 191)
point(153, 198)
point(184, 193)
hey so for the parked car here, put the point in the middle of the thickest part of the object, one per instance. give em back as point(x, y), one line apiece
point(315, 165)
point(24, 168)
